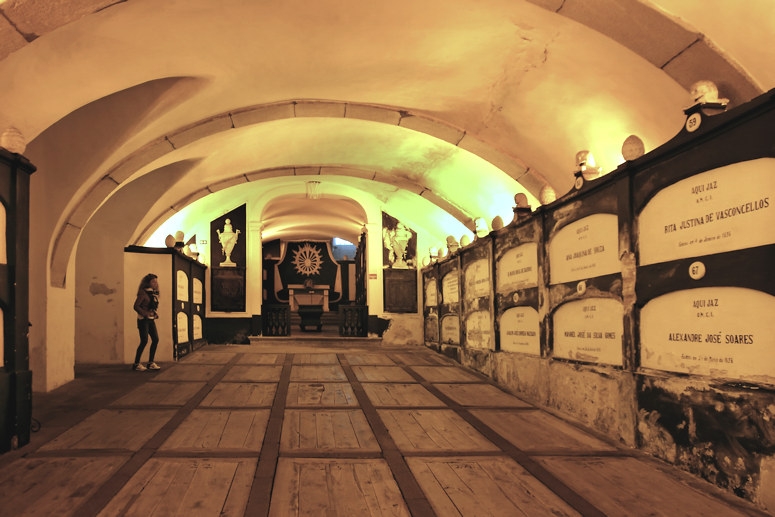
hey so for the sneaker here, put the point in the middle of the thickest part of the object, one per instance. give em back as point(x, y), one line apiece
point(139, 368)
point(153, 366)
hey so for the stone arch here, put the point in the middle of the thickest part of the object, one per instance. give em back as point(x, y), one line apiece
point(66, 235)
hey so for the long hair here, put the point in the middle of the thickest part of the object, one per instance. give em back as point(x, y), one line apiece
point(145, 283)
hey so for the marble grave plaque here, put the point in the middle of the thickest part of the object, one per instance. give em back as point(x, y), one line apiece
point(450, 288)
point(520, 331)
point(590, 330)
point(431, 293)
point(723, 332)
point(477, 279)
point(432, 328)
point(450, 329)
point(479, 330)
point(585, 248)
point(182, 320)
point(720, 210)
point(518, 268)
point(182, 286)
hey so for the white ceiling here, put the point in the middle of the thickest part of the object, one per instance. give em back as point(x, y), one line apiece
point(463, 103)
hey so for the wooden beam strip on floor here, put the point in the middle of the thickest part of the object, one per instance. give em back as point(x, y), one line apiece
point(261, 491)
point(567, 494)
point(415, 498)
point(121, 477)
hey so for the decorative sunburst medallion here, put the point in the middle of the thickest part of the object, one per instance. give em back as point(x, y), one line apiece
point(307, 260)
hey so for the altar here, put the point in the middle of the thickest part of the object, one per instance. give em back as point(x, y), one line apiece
point(310, 301)
point(299, 294)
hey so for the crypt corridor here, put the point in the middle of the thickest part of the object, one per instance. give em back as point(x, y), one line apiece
point(586, 186)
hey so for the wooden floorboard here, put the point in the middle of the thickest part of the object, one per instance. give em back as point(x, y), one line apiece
point(535, 431)
point(335, 487)
point(485, 486)
point(304, 394)
point(480, 394)
point(331, 430)
point(328, 428)
point(160, 394)
point(253, 373)
point(432, 430)
point(640, 487)
point(53, 486)
point(445, 374)
point(320, 373)
point(400, 395)
point(382, 374)
point(183, 486)
point(241, 394)
point(217, 429)
point(113, 429)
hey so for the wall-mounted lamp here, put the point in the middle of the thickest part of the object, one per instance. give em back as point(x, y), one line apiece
point(547, 195)
point(13, 140)
point(481, 228)
point(452, 244)
point(586, 166)
point(179, 244)
point(191, 251)
point(313, 190)
point(633, 148)
point(521, 207)
point(705, 92)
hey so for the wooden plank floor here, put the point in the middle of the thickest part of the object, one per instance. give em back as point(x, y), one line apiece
point(325, 429)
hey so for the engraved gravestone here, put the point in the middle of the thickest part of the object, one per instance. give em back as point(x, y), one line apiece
point(724, 209)
point(518, 268)
point(450, 329)
point(590, 330)
point(722, 331)
point(519, 328)
point(585, 248)
point(520, 331)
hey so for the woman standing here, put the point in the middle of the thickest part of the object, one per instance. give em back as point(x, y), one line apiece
point(146, 303)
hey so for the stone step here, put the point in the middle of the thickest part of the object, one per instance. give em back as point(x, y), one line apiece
point(315, 339)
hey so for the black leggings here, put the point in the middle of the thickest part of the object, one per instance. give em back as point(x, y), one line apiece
point(147, 328)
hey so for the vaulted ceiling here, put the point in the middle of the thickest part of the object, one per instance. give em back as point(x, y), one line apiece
point(440, 110)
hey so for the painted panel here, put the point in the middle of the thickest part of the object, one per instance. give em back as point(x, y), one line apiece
point(724, 209)
point(724, 332)
point(589, 330)
point(520, 331)
point(585, 248)
point(399, 244)
point(518, 268)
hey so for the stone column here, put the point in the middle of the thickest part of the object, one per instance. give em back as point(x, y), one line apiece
point(254, 268)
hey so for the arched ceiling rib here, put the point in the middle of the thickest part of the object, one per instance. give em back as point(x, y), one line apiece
point(436, 177)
